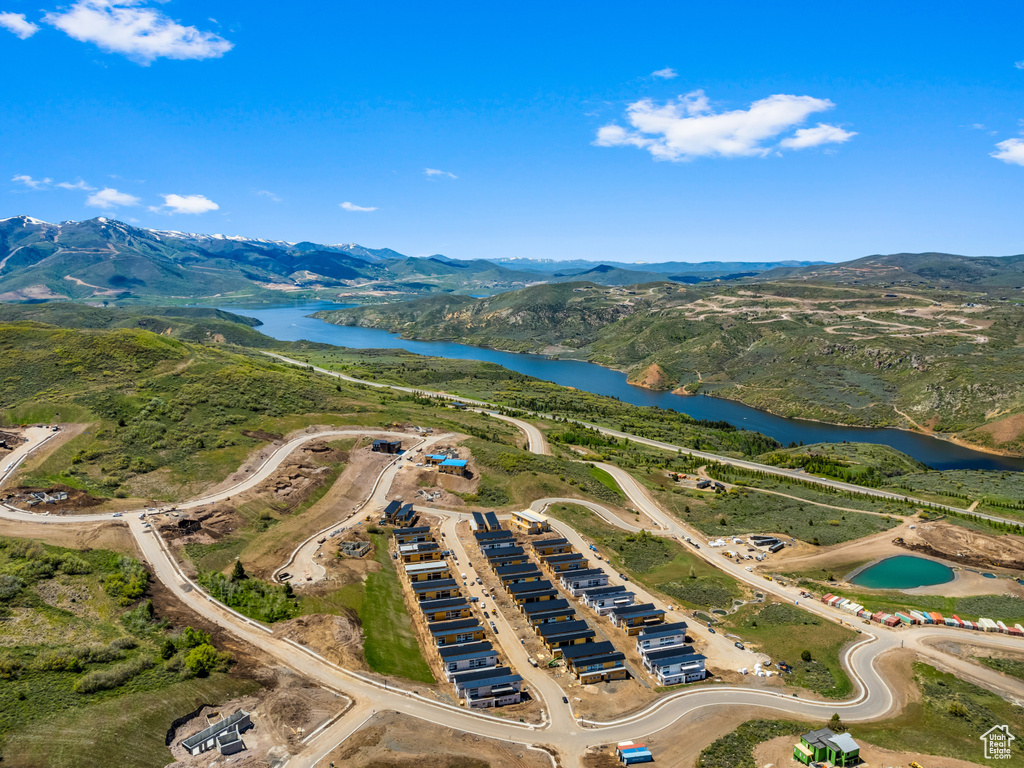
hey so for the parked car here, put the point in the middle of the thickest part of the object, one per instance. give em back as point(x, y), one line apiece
point(565, 699)
point(711, 630)
point(624, 577)
point(740, 646)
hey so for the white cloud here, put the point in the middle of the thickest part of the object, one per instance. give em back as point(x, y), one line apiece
point(822, 133)
point(434, 172)
point(185, 204)
point(18, 24)
point(140, 33)
point(75, 185)
point(268, 194)
point(31, 183)
point(1010, 151)
point(354, 207)
point(689, 127)
point(111, 198)
point(665, 74)
point(1019, 64)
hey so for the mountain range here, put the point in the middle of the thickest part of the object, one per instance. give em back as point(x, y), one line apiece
point(109, 260)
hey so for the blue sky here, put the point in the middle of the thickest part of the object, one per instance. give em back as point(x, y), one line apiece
point(574, 130)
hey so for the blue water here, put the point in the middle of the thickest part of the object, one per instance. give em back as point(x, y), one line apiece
point(903, 572)
point(292, 324)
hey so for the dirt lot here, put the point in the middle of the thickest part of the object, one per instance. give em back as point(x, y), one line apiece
point(280, 717)
point(975, 548)
point(273, 502)
point(390, 740)
point(701, 728)
point(413, 482)
point(951, 543)
point(779, 753)
point(969, 651)
point(83, 536)
point(336, 638)
point(342, 569)
point(707, 725)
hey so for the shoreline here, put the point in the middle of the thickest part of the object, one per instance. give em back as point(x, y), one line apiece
point(934, 435)
point(956, 568)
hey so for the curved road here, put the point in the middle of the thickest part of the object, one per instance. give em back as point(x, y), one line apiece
point(562, 730)
point(792, 474)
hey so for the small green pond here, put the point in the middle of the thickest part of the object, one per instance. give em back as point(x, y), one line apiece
point(903, 572)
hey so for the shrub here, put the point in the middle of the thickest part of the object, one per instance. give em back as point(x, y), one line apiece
point(10, 586)
point(191, 638)
point(112, 677)
point(72, 564)
point(202, 660)
point(9, 667)
point(957, 709)
point(56, 661)
point(253, 597)
point(128, 583)
point(805, 655)
point(167, 649)
point(141, 619)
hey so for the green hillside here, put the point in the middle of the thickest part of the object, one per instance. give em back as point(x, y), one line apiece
point(197, 324)
point(945, 271)
point(862, 463)
point(934, 360)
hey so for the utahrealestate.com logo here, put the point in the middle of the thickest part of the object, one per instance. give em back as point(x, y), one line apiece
point(997, 742)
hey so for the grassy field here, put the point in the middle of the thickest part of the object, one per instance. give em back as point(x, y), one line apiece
point(168, 417)
point(746, 510)
point(661, 564)
point(607, 481)
point(80, 639)
point(1011, 667)
point(269, 525)
point(390, 645)
point(948, 720)
point(736, 749)
point(100, 735)
point(784, 632)
point(862, 463)
point(511, 476)
point(999, 493)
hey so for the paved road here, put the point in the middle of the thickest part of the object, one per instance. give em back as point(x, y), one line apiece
point(303, 562)
point(793, 474)
point(535, 440)
point(570, 736)
point(36, 438)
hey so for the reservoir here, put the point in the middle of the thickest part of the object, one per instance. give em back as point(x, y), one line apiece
point(903, 572)
point(292, 323)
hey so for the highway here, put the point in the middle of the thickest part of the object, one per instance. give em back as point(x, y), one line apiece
point(530, 430)
point(561, 730)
